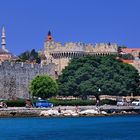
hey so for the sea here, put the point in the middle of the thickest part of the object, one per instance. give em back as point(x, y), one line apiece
point(77, 128)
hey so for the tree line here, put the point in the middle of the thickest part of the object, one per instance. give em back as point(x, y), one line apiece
point(29, 56)
point(90, 75)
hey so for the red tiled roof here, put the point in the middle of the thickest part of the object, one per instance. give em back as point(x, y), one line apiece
point(127, 61)
point(130, 50)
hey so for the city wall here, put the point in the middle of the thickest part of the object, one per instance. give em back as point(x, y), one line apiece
point(15, 78)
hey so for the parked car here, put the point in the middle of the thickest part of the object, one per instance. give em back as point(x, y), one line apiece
point(136, 102)
point(120, 103)
point(43, 103)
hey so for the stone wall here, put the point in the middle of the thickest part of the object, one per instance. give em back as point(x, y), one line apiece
point(15, 78)
point(61, 54)
point(53, 47)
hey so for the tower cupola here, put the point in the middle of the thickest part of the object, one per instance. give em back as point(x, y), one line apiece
point(49, 37)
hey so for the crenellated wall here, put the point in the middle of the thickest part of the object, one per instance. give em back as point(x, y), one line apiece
point(15, 78)
point(55, 47)
point(61, 54)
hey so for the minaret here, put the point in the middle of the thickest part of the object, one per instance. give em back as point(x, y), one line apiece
point(3, 39)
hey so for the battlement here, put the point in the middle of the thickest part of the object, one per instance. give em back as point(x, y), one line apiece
point(15, 77)
point(61, 54)
point(18, 65)
point(54, 47)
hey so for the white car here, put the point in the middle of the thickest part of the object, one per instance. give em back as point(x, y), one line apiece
point(120, 103)
point(136, 102)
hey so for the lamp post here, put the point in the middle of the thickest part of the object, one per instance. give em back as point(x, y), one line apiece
point(97, 102)
point(99, 90)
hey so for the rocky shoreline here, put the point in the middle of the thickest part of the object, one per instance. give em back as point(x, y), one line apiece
point(69, 111)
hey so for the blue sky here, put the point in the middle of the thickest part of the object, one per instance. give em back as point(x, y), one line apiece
point(91, 21)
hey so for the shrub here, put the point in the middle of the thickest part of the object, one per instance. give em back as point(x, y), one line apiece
point(15, 103)
point(57, 102)
point(80, 102)
point(108, 102)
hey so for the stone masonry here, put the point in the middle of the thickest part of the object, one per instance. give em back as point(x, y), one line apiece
point(15, 78)
point(61, 54)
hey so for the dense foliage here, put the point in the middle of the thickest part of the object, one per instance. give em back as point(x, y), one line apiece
point(43, 86)
point(30, 56)
point(127, 56)
point(57, 102)
point(15, 103)
point(80, 102)
point(98, 75)
point(122, 46)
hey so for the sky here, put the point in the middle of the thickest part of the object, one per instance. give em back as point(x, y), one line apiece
point(90, 21)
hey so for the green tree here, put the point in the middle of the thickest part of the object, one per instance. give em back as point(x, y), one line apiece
point(86, 75)
point(43, 86)
point(30, 56)
point(120, 47)
point(127, 56)
point(123, 46)
point(24, 56)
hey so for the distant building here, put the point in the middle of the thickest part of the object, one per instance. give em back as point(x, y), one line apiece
point(61, 54)
point(135, 52)
point(4, 53)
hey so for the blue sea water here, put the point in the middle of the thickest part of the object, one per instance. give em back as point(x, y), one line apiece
point(80, 128)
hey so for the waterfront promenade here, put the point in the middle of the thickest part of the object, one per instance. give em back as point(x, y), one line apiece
point(35, 112)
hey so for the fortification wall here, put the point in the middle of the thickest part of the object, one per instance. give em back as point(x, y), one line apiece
point(15, 78)
point(61, 54)
point(55, 47)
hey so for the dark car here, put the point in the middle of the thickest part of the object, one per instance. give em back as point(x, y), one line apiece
point(43, 103)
